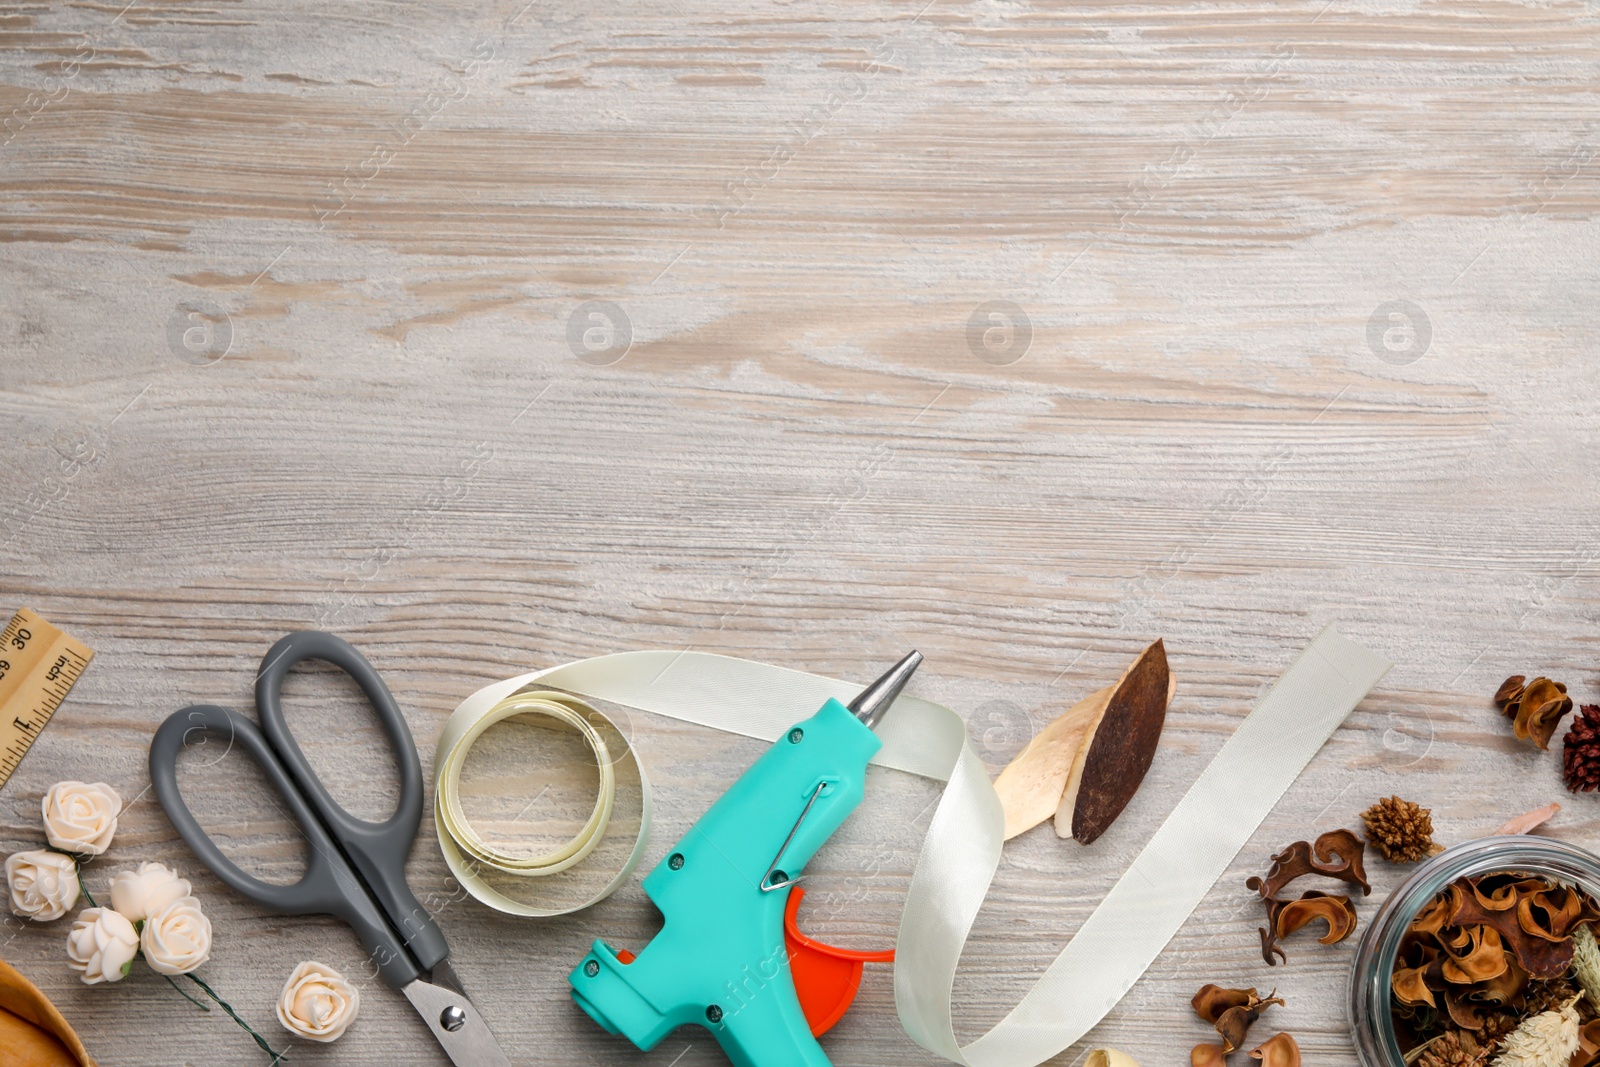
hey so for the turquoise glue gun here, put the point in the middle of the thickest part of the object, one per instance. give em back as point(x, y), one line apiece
point(729, 956)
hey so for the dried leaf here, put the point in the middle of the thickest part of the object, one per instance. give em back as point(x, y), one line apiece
point(1523, 823)
point(1030, 787)
point(1114, 757)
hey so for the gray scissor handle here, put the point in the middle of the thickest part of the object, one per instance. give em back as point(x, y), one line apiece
point(329, 885)
point(378, 850)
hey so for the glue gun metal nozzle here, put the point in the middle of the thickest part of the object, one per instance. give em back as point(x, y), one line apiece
point(870, 704)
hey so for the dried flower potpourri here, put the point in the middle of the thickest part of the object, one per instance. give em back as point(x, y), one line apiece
point(1494, 971)
point(1336, 854)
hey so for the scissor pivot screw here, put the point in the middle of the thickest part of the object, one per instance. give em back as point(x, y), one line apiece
point(453, 1018)
point(795, 735)
point(675, 861)
point(591, 968)
point(714, 1014)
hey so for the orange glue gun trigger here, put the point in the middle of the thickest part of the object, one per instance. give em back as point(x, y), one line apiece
point(825, 978)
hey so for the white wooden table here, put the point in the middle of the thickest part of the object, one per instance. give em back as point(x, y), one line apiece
point(493, 336)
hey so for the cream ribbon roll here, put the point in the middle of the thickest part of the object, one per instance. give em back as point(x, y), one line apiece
point(465, 850)
point(961, 850)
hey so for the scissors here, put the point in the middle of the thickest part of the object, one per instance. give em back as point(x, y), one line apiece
point(356, 869)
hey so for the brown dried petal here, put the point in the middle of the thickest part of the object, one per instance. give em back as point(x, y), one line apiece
point(1213, 1000)
point(1207, 1056)
point(1234, 1024)
point(1550, 914)
point(1480, 957)
point(1431, 919)
point(1409, 988)
point(1337, 854)
point(1336, 910)
point(1539, 708)
point(1503, 989)
point(1589, 1040)
point(1540, 957)
point(1461, 1012)
point(1280, 1051)
point(1508, 690)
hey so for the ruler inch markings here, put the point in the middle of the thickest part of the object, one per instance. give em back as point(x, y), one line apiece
point(39, 665)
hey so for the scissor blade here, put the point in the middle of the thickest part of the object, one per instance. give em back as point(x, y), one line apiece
point(470, 1043)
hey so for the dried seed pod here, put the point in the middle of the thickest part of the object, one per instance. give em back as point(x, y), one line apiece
point(1207, 1056)
point(1278, 1051)
point(1118, 749)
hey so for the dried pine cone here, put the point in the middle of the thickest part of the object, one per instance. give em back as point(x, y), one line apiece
point(1580, 751)
point(1548, 995)
point(1536, 707)
point(1401, 830)
point(1456, 1048)
point(1496, 1025)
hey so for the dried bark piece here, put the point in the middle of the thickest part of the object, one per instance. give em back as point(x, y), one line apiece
point(1278, 1051)
point(1337, 854)
point(1524, 823)
point(1535, 708)
point(1030, 787)
point(1113, 759)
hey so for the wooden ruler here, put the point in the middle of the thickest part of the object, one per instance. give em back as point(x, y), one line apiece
point(38, 666)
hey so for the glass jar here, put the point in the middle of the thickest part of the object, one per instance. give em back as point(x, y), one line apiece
point(1371, 1025)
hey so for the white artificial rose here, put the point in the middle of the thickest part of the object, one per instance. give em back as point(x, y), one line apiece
point(44, 885)
point(140, 894)
point(101, 945)
point(177, 939)
point(317, 1003)
point(81, 818)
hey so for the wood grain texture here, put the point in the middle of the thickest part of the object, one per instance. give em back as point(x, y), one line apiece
point(816, 450)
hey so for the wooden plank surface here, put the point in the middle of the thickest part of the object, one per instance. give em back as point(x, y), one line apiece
point(296, 309)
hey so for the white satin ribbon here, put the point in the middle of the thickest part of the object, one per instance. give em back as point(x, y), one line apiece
point(961, 851)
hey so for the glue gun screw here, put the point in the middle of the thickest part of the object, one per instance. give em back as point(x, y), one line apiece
point(453, 1018)
point(591, 968)
point(714, 1014)
point(795, 735)
point(675, 861)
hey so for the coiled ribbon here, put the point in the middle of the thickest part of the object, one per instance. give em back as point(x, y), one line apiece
point(961, 850)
